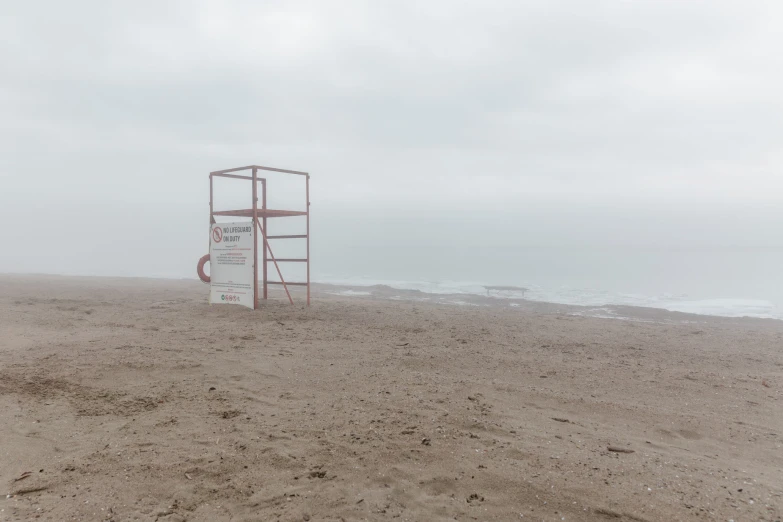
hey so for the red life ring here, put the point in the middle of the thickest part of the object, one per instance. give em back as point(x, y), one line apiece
point(200, 268)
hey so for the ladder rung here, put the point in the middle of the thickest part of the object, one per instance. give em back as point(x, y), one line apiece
point(287, 284)
point(296, 236)
point(287, 260)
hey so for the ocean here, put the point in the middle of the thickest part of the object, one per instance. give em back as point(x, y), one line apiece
point(743, 282)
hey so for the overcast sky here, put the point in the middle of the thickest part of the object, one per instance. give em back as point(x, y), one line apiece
point(661, 120)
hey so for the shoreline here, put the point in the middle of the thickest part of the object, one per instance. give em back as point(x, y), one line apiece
point(387, 292)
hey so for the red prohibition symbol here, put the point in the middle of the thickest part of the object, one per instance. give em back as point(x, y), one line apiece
point(217, 234)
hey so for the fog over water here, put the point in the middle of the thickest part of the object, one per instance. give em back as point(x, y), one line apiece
point(594, 153)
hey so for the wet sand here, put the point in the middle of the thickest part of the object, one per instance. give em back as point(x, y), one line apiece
point(132, 399)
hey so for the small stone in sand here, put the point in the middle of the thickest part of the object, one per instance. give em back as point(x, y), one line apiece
point(618, 449)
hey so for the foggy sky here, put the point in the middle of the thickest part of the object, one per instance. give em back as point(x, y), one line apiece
point(637, 123)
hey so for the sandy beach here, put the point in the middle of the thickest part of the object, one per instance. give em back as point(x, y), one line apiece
point(133, 399)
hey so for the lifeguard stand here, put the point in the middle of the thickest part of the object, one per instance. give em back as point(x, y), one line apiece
point(259, 216)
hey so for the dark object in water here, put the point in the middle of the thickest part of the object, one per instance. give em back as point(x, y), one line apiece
point(490, 289)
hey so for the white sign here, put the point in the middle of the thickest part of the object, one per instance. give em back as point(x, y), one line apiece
point(231, 263)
